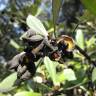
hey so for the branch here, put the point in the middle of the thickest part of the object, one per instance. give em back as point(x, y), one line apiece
point(85, 54)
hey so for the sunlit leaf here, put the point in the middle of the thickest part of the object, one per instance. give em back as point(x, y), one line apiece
point(26, 93)
point(91, 41)
point(90, 5)
point(61, 77)
point(39, 11)
point(94, 75)
point(36, 25)
point(51, 30)
point(2, 94)
point(14, 44)
point(80, 38)
point(66, 74)
point(7, 83)
point(69, 74)
point(51, 68)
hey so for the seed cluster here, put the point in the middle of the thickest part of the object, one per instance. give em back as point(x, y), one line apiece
point(23, 63)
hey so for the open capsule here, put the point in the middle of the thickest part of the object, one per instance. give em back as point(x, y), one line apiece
point(66, 41)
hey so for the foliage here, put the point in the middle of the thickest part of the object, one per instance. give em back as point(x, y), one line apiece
point(74, 73)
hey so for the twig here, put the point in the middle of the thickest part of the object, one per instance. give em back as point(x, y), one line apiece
point(58, 92)
point(85, 54)
point(75, 28)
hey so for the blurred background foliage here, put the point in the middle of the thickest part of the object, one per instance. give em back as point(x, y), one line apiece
point(75, 78)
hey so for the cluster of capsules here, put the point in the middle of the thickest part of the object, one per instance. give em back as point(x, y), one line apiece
point(39, 46)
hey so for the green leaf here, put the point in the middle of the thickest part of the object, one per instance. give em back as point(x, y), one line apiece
point(56, 4)
point(7, 83)
point(14, 44)
point(66, 74)
point(60, 77)
point(80, 39)
point(94, 75)
point(26, 93)
point(90, 5)
point(36, 25)
point(51, 68)
point(2, 94)
point(91, 41)
point(69, 74)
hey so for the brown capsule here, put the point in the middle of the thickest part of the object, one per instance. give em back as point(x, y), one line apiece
point(55, 56)
point(28, 34)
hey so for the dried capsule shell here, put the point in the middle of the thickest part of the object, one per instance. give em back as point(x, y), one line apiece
point(13, 64)
point(34, 38)
point(28, 34)
point(31, 38)
point(27, 75)
point(26, 58)
point(20, 70)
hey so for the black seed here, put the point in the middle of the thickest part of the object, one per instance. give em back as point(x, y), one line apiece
point(67, 54)
point(31, 67)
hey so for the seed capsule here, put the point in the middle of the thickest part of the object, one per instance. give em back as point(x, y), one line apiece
point(13, 64)
point(66, 42)
point(20, 70)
